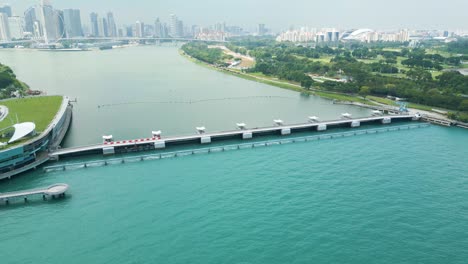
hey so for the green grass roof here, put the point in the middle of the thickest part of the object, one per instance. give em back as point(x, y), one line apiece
point(40, 110)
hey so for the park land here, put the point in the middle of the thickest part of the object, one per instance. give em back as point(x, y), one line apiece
point(427, 76)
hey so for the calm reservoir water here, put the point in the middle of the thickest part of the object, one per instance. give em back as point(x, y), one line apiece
point(150, 88)
point(397, 197)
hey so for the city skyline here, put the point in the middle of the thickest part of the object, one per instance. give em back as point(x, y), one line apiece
point(49, 22)
point(277, 15)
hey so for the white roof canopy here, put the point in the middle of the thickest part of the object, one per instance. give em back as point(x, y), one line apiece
point(22, 130)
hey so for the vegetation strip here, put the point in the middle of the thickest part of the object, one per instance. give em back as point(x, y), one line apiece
point(423, 76)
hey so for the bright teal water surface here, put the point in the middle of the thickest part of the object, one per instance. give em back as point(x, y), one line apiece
point(397, 197)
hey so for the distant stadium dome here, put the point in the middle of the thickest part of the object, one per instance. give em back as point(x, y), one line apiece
point(359, 34)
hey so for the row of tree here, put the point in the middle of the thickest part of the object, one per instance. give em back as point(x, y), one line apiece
point(460, 46)
point(290, 62)
point(202, 52)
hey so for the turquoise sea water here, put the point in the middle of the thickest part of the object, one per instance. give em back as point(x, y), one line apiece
point(397, 197)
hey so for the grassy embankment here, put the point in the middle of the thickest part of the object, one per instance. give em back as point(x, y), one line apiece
point(40, 110)
point(258, 77)
point(391, 102)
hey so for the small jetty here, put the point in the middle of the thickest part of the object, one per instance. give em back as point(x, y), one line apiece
point(53, 191)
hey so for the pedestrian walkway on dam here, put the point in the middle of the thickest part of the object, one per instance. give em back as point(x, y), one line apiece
point(111, 147)
point(225, 148)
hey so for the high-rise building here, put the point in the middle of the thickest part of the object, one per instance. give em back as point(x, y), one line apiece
point(261, 30)
point(16, 27)
point(49, 21)
point(180, 29)
point(29, 19)
point(111, 26)
point(329, 36)
point(102, 28)
point(164, 31)
point(176, 27)
point(139, 29)
point(173, 24)
point(403, 36)
point(94, 24)
point(158, 29)
point(148, 30)
point(4, 28)
point(234, 30)
point(336, 36)
point(195, 30)
point(6, 9)
point(129, 31)
point(59, 24)
point(320, 37)
point(72, 21)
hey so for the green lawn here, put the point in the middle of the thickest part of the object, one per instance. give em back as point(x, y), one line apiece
point(392, 49)
point(40, 110)
point(393, 103)
point(323, 59)
point(381, 100)
point(343, 97)
point(258, 77)
point(375, 60)
point(440, 52)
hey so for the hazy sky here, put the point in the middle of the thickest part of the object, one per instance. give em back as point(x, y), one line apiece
point(279, 14)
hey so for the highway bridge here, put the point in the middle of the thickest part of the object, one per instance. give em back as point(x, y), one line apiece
point(101, 39)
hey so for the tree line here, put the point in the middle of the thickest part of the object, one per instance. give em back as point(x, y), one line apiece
point(296, 63)
point(9, 83)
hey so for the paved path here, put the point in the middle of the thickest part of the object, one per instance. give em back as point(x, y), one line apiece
point(223, 134)
point(413, 111)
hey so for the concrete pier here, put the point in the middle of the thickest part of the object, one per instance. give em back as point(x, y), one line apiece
point(53, 191)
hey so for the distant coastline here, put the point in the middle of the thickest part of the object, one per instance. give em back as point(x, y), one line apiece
point(279, 84)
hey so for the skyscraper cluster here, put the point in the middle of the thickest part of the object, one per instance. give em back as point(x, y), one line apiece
point(217, 32)
point(103, 26)
point(44, 22)
point(175, 29)
point(306, 34)
point(41, 21)
point(369, 35)
point(10, 26)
